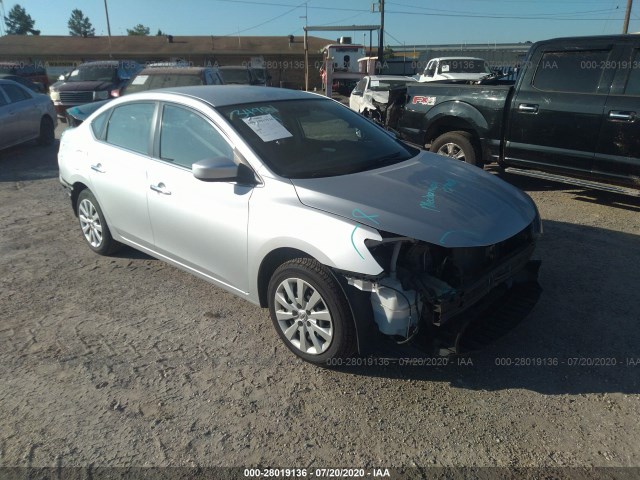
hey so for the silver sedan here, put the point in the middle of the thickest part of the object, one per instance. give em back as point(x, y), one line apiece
point(296, 203)
point(25, 115)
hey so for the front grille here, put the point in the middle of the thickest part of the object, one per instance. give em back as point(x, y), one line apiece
point(76, 97)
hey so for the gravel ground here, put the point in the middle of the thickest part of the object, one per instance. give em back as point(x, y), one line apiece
point(126, 361)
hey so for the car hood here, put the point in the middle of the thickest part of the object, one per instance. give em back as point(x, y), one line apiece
point(85, 86)
point(430, 198)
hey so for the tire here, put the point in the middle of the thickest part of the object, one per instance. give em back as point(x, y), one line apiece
point(317, 333)
point(456, 145)
point(47, 132)
point(93, 225)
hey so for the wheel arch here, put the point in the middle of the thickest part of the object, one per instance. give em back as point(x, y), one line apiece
point(77, 188)
point(268, 266)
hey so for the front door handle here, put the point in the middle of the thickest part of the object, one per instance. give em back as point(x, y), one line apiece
point(160, 188)
point(97, 168)
point(528, 108)
point(624, 116)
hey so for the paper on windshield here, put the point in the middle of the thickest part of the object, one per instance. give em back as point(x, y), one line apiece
point(375, 83)
point(445, 68)
point(267, 127)
point(139, 80)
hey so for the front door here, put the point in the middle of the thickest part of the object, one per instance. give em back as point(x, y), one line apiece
point(201, 225)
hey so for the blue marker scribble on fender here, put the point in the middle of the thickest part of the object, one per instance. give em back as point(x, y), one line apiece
point(429, 202)
point(357, 213)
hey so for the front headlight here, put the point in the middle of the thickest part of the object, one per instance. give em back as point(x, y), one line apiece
point(101, 95)
point(55, 96)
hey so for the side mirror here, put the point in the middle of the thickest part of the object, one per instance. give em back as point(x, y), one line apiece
point(219, 169)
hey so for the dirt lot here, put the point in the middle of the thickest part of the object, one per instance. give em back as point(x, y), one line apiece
point(126, 361)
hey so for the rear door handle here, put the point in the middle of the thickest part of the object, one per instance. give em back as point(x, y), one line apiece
point(528, 108)
point(160, 188)
point(97, 168)
point(624, 116)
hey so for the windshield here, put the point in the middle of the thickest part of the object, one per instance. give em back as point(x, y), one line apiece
point(236, 75)
point(464, 65)
point(94, 73)
point(314, 138)
point(145, 82)
point(380, 85)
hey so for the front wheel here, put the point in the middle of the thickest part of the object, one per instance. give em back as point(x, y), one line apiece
point(457, 145)
point(94, 227)
point(310, 312)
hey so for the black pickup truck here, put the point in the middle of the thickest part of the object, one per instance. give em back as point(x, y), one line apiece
point(573, 115)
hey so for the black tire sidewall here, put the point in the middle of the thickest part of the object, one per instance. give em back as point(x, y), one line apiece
point(460, 139)
point(107, 244)
point(47, 132)
point(338, 308)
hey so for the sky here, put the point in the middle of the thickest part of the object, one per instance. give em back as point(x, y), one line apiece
point(407, 22)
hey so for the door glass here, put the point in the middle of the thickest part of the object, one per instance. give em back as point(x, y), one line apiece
point(2, 100)
point(130, 126)
point(633, 82)
point(186, 138)
point(16, 94)
point(576, 71)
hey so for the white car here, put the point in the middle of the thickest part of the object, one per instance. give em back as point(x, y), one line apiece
point(372, 92)
point(25, 115)
point(455, 68)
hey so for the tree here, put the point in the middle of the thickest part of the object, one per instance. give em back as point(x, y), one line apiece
point(79, 25)
point(160, 33)
point(388, 53)
point(18, 22)
point(139, 30)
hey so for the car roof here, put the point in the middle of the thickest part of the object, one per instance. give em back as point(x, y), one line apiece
point(11, 82)
point(458, 58)
point(173, 70)
point(233, 67)
point(225, 95)
point(106, 63)
point(392, 77)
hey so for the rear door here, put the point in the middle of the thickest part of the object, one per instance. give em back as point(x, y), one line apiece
point(24, 113)
point(556, 113)
point(618, 153)
point(119, 169)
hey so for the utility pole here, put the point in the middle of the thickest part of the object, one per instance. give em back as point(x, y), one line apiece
point(627, 15)
point(106, 11)
point(381, 36)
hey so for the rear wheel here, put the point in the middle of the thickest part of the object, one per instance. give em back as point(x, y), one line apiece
point(310, 312)
point(47, 132)
point(457, 145)
point(93, 225)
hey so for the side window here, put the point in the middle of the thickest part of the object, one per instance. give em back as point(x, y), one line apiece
point(430, 71)
point(362, 84)
point(186, 137)
point(98, 124)
point(574, 71)
point(208, 78)
point(3, 102)
point(633, 82)
point(16, 94)
point(130, 126)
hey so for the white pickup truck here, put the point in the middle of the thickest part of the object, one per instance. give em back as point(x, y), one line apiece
point(454, 68)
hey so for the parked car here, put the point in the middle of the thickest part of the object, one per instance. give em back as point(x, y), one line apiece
point(90, 82)
point(33, 72)
point(294, 202)
point(572, 115)
point(371, 95)
point(238, 75)
point(261, 76)
point(449, 69)
point(152, 78)
point(25, 115)
point(34, 87)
